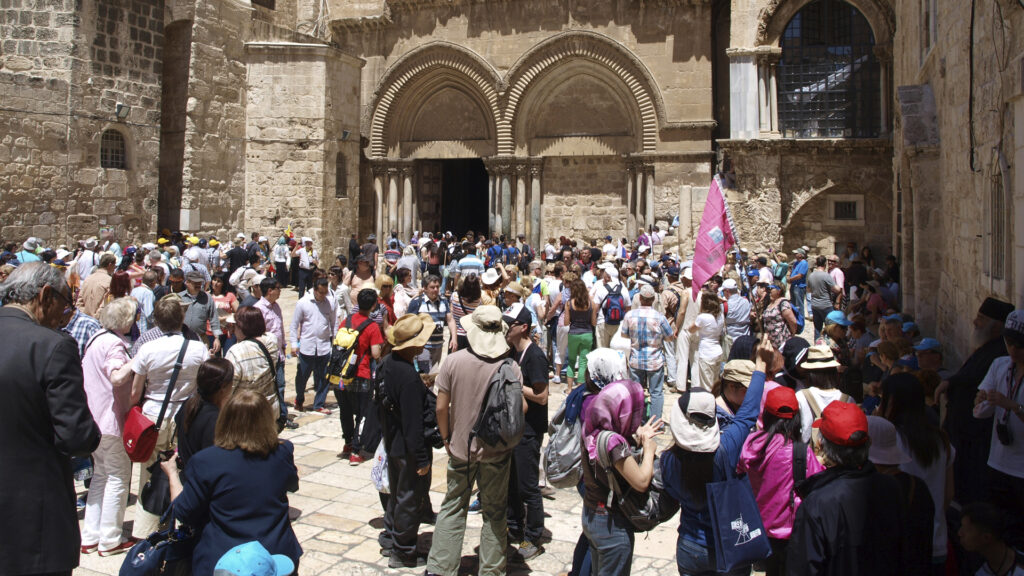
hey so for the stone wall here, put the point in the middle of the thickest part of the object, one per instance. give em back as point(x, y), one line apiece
point(584, 197)
point(65, 68)
point(947, 267)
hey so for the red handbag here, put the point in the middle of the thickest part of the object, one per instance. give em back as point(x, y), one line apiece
point(140, 434)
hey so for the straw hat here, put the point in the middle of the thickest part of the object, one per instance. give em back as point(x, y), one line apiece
point(410, 331)
point(485, 331)
point(489, 277)
point(819, 358)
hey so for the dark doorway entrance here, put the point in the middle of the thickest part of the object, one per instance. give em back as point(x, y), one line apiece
point(460, 189)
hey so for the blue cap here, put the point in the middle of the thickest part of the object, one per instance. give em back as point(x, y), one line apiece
point(908, 363)
point(896, 317)
point(837, 317)
point(909, 327)
point(928, 344)
point(753, 273)
point(672, 271)
point(252, 559)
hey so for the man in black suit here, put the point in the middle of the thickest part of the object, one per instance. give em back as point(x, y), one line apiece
point(44, 421)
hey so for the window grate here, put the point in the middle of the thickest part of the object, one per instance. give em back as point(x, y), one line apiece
point(829, 78)
point(844, 210)
point(112, 150)
point(997, 222)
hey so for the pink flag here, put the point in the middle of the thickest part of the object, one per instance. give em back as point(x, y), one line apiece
point(714, 238)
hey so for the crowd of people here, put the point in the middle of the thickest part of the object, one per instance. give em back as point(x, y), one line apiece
point(864, 450)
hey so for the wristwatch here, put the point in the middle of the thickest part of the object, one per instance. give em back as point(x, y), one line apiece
point(1019, 409)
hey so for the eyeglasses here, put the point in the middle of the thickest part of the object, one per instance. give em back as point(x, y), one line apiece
point(70, 306)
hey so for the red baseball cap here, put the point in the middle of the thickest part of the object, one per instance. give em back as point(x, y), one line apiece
point(782, 402)
point(839, 421)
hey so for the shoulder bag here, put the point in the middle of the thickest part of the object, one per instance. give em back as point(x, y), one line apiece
point(738, 536)
point(140, 434)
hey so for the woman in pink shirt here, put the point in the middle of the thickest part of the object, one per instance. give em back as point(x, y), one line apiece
point(108, 375)
point(767, 458)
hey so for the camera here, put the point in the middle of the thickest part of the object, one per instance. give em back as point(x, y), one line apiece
point(1003, 433)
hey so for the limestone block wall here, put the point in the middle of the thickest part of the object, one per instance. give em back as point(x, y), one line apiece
point(64, 67)
point(584, 196)
point(956, 241)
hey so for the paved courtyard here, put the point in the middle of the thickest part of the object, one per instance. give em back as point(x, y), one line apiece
point(337, 514)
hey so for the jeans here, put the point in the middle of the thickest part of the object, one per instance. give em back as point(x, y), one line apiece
point(579, 346)
point(446, 548)
point(652, 381)
point(692, 559)
point(317, 365)
point(280, 391)
point(108, 494)
point(611, 542)
point(305, 281)
point(818, 316)
point(353, 407)
point(668, 348)
point(525, 504)
point(798, 297)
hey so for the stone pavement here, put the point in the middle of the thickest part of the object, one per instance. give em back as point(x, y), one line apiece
point(339, 514)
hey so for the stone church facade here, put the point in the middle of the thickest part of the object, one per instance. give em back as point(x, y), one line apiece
point(832, 121)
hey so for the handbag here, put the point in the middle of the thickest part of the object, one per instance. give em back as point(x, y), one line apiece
point(140, 434)
point(156, 494)
point(165, 552)
point(739, 535)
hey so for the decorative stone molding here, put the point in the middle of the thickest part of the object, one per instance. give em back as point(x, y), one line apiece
point(427, 60)
point(592, 46)
point(774, 17)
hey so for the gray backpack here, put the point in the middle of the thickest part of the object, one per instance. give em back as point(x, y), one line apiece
point(501, 421)
point(563, 456)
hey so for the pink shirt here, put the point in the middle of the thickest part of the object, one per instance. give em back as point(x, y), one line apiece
point(770, 469)
point(109, 405)
point(275, 323)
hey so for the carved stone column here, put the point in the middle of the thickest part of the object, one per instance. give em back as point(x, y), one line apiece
point(405, 230)
point(630, 199)
point(883, 52)
point(506, 202)
point(536, 229)
point(379, 176)
point(394, 181)
point(492, 204)
point(648, 170)
point(638, 197)
point(522, 171)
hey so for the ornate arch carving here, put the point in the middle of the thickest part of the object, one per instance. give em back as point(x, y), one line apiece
point(428, 59)
point(592, 46)
point(775, 16)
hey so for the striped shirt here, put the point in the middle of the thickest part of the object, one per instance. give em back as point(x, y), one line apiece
point(458, 311)
point(438, 311)
point(471, 263)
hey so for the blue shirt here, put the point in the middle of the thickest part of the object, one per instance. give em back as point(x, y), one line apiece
point(81, 327)
point(799, 268)
point(471, 263)
point(694, 519)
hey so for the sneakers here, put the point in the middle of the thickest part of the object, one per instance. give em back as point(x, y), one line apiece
point(528, 550)
point(324, 411)
point(396, 561)
point(89, 548)
point(119, 549)
point(346, 451)
point(80, 504)
point(475, 507)
point(290, 425)
point(356, 460)
point(556, 379)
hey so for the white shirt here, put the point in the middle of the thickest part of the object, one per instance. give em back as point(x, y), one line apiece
point(549, 252)
point(1006, 459)
point(709, 329)
point(823, 398)
point(155, 360)
point(313, 326)
point(306, 258)
point(597, 295)
point(86, 262)
point(281, 253)
point(341, 301)
point(934, 477)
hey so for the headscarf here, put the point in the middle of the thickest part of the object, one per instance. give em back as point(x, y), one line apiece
point(617, 408)
point(282, 241)
point(605, 365)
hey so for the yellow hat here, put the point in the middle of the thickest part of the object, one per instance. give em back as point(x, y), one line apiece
point(162, 241)
point(214, 243)
point(193, 240)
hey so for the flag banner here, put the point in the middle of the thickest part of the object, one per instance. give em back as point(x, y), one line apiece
point(714, 237)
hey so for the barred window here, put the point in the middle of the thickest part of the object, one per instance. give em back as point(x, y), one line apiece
point(828, 74)
point(112, 150)
point(845, 210)
point(340, 177)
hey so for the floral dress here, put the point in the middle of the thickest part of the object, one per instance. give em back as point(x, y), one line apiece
point(775, 325)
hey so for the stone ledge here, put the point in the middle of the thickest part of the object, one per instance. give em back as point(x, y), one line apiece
point(301, 48)
point(811, 145)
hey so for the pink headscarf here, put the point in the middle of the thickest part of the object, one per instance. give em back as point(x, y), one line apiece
point(618, 408)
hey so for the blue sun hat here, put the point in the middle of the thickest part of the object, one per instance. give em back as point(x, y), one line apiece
point(252, 559)
point(837, 317)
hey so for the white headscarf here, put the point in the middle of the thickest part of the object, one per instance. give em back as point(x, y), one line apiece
point(605, 365)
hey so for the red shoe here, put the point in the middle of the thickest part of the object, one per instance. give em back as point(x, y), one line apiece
point(345, 452)
point(119, 549)
point(89, 549)
point(324, 411)
point(355, 460)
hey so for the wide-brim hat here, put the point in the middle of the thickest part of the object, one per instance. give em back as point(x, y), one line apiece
point(693, 423)
point(819, 357)
point(886, 449)
point(411, 331)
point(90, 243)
point(485, 331)
point(490, 276)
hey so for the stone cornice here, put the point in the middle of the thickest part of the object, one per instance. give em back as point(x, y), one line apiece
point(299, 48)
point(808, 145)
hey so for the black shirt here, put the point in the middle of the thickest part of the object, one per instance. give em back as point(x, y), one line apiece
point(200, 432)
point(534, 366)
point(403, 427)
point(237, 257)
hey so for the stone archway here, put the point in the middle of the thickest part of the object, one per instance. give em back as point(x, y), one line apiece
point(773, 19)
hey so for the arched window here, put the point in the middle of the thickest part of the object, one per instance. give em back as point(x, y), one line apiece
point(340, 177)
point(112, 150)
point(828, 74)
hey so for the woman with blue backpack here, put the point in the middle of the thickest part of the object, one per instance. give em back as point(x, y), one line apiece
point(703, 455)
